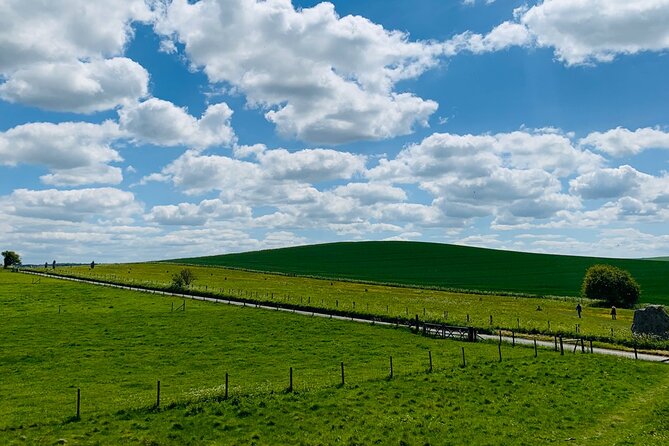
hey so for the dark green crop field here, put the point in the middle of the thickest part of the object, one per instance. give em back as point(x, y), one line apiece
point(57, 336)
point(447, 266)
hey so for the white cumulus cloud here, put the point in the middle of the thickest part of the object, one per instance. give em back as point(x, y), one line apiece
point(621, 142)
point(75, 152)
point(162, 123)
point(583, 31)
point(62, 55)
point(578, 31)
point(73, 205)
point(320, 77)
point(192, 214)
point(77, 86)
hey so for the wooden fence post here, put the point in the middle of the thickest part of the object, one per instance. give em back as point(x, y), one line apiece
point(535, 347)
point(464, 363)
point(513, 338)
point(226, 386)
point(290, 386)
point(591, 349)
point(499, 347)
point(391, 367)
point(561, 346)
point(342, 373)
point(158, 395)
point(78, 403)
point(429, 352)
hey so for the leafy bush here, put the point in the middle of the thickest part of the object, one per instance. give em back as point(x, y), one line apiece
point(614, 285)
point(183, 279)
point(11, 258)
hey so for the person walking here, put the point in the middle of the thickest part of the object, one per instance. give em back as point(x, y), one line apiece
point(613, 312)
point(579, 309)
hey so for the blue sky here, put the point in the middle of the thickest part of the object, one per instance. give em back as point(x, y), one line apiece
point(133, 130)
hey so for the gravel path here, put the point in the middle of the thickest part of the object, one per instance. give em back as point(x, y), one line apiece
point(569, 344)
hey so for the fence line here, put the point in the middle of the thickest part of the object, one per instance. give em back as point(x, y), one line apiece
point(296, 381)
point(340, 314)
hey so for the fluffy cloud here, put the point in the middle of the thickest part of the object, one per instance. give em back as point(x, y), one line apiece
point(633, 194)
point(579, 31)
point(516, 174)
point(609, 183)
point(474, 156)
point(503, 36)
point(52, 53)
point(583, 31)
point(320, 77)
point(198, 214)
point(279, 175)
point(73, 205)
point(77, 86)
point(621, 142)
point(310, 165)
point(65, 30)
point(371, 193)
point(162, 123)
point(76, 152)
point(78, 176)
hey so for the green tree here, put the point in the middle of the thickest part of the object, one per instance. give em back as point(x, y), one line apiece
point(11, 258)
point(614, 285)
point(183, 279)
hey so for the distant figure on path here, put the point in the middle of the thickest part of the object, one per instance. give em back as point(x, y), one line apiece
point(53, 265)
point(46, 265)
point(613, 313)
point(579, 308)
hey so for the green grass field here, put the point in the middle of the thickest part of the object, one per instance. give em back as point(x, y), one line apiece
point(58, 336)
point(448, 266)
point(508, 312)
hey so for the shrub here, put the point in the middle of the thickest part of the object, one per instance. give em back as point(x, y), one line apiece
point(11, 258)
point(183, 279)
point(613, 285)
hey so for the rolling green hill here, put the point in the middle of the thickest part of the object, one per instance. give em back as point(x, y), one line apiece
point(441, 265)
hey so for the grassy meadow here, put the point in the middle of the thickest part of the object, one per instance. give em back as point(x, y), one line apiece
point(445, 266)
point(508, 312)
point(58, 336)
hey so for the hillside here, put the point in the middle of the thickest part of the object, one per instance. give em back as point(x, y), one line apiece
point(441, 265)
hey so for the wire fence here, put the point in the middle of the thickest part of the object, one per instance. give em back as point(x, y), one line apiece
point(340, 306)
point(90, 401)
